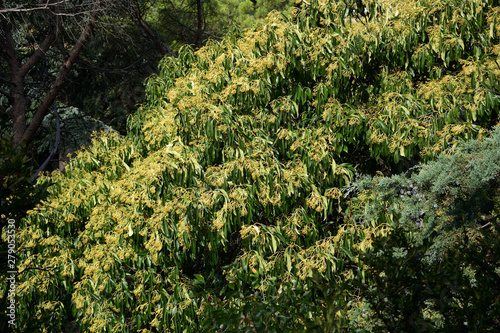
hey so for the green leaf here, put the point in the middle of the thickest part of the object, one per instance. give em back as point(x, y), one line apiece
point(273, 242)
point(200, 278)
point(288, 261)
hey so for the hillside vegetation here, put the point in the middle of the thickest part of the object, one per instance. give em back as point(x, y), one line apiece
point(234, 204)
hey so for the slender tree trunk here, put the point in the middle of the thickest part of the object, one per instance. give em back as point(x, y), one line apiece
point(18, 110)
point(16, 84)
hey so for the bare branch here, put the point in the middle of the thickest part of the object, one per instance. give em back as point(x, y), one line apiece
point(149, 31)
point(179, 22)
point(39, 53)
point(24, 9)
point(484, 226)
point(48, 7)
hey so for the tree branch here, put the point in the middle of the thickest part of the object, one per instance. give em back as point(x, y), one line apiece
point(16, 87)
point(23, 9)
point(9, 48)
point(39, 53)
point(60, 79)
point(149, 31)
point(179, 22)
point(54, 150)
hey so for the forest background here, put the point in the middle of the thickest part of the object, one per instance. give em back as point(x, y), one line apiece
point(333, 168)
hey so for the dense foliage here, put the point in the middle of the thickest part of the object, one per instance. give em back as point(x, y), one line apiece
point(226, 208)
point(438, 268)
point(17, 195)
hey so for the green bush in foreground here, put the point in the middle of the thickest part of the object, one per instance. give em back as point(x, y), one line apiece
point(223, 210)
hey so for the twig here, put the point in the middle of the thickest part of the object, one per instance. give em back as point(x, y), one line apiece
point(23, 9)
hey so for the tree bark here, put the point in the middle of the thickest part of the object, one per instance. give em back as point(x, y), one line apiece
point(16, 83)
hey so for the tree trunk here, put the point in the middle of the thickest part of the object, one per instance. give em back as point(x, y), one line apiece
point(16, 84)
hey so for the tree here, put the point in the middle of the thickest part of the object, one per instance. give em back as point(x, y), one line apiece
point(248, 12)
point(127, 43)
point(437, 268)
point(108, 77)
point(21, 62)
point(225, 207)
